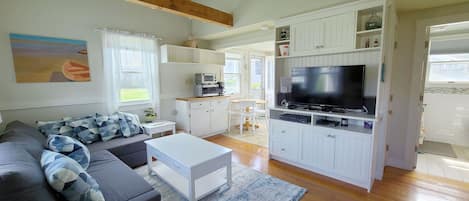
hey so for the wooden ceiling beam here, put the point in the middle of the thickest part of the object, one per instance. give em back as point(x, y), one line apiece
point(190, 9)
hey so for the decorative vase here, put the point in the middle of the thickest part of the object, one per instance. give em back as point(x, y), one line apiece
point(374, 22)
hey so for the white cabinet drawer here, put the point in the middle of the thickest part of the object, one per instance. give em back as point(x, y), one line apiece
point(197, 105)
point(285, 139)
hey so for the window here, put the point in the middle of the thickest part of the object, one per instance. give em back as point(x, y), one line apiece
point(232, 76)
point(256, 89)
point(130, 63)
point(448, 69)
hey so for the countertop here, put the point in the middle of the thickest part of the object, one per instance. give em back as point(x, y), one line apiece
point(193, 99)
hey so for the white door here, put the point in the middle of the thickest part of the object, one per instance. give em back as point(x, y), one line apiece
point(421, 106)
point(200, 118)
point(339, 32)
point(352, 154)
point(219, 115)
point(307, 37)
point(318, 148)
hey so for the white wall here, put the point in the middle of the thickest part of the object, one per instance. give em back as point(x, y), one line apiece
point(446, 118)
point(74, 20)
point(178, 81)
point(402, 80)
point(255, 11)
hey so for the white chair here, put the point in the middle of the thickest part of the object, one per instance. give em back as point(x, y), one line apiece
point(246, 111)
point(260, 113)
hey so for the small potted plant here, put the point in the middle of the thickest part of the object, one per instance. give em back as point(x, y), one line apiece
point(150, 115)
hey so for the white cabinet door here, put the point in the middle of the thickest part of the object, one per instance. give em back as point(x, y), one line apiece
point(352, 154)
point(306, 37)
point(200, 119)
point(317, 148)
point(339, 32)
point(219, 115)
point(285, 139)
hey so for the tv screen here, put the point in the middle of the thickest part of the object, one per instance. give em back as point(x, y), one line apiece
point(337, 86)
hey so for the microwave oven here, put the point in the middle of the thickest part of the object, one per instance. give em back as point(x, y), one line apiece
point(205, 78)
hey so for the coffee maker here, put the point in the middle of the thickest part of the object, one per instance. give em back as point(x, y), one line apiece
point(206, 85)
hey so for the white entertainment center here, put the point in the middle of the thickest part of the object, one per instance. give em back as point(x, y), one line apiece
point(353, 152)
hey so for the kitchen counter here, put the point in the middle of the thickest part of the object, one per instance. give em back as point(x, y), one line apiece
point(194, 99)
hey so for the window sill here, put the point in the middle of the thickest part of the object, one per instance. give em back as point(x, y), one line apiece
point(135, 104)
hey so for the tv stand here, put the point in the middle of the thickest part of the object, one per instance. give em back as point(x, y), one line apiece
point(314, 140)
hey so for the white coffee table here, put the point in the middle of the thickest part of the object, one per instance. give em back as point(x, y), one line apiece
point(159, 126)
point(189, 163)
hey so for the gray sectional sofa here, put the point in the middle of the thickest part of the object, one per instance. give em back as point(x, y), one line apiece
point(21, 176)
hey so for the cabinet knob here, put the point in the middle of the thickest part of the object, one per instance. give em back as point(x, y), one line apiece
point(283, 149)
point(283, 131)
point(331, 136)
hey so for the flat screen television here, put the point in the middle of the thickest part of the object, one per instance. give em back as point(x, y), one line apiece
point(334, 86)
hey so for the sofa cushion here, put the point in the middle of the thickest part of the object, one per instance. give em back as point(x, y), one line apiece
point(129, 124)
point(120, 143)
point(116, 180)
point(21, 176)
point(58, 127)
point(108, 126)
point(71, 148)
point(68, 178)
point(85, 129)
point(26, 137)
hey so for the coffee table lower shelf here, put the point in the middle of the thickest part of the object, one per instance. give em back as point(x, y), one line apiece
point(203, 186)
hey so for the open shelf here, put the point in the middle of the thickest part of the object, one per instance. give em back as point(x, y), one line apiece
point(282, 41)
point(371, 32)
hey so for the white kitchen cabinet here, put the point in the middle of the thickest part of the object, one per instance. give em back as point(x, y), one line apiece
point(327, 34)
point(200, 120)
point(202, 117)
point(219, 115)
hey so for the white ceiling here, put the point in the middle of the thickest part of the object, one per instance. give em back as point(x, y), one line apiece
point(266, 47)
point(402, 5)
point(409, 5)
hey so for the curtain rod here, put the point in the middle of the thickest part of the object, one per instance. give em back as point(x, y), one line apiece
point(127, 32)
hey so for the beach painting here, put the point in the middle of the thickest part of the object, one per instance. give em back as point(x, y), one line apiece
point(48, 59)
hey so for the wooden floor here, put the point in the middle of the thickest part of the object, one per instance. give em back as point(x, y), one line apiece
point(397, 184)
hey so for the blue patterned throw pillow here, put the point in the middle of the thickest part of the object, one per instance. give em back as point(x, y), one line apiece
point(129, 124)
point(55, 128)
point(68, 178)
point(108, 126)
point(71, 148)
point(85, 129)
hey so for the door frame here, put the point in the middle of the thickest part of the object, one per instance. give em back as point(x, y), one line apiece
point(417, 84)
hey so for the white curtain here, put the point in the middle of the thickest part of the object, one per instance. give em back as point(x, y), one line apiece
point(119, 47)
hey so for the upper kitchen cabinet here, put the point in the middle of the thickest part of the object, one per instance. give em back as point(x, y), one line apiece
point(187, 55)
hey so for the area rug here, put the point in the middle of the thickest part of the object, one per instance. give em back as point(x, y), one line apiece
point(248, 185)
point(437, 148)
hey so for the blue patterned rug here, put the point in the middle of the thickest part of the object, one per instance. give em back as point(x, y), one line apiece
point(248, 185)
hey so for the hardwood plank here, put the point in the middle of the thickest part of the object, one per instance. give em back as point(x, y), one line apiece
point(397, 184)
point(191, 10)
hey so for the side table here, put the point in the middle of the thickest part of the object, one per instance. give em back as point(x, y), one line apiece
point(159, 126)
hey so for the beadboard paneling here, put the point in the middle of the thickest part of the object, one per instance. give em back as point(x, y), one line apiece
point(369, 58)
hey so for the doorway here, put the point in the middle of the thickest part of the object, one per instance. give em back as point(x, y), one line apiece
point(256, 83)
point(443, 143)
